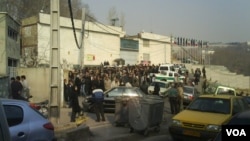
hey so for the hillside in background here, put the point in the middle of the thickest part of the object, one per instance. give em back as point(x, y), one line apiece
point(236, 58)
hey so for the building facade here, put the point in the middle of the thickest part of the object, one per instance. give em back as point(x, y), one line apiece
point(9, 45)
point(97, 43)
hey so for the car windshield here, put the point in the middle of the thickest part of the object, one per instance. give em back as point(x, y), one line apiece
point(115, 92)
point(213, 105)
point(187, 90)
point(124, 92)
point(210, 90)
point(162, 85)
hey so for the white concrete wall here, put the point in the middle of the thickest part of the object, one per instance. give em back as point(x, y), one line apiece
point(101, 42)
point(159, 48)
point(223, 76)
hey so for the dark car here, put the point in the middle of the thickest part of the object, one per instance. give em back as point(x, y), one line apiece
point(111, 95)
point(242, 118)
point(189, 94)
point(247, 98)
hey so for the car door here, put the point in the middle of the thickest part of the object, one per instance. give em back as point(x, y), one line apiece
point(4, 128)
point(18, 125)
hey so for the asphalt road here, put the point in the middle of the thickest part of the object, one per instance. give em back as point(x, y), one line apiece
point(109, 132)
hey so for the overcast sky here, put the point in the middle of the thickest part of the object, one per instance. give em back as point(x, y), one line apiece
point(208, 20)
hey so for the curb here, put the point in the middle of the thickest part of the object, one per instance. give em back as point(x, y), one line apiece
point(71, 132)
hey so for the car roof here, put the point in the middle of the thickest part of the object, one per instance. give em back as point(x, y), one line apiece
point(12, 100)
point(217, 96)
point(244, 114)
point(159, 81)
point(188, 86)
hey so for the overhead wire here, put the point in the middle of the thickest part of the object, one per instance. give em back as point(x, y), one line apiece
point(73, 25)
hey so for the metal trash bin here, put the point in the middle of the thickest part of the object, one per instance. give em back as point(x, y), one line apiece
point(145, 113)
point(121, 111)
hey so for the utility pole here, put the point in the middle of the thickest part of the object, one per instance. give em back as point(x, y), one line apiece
point(171, 48)
point(54, 105)
point(83, 34)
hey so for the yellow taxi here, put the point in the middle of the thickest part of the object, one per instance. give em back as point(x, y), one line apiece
point(202, 119)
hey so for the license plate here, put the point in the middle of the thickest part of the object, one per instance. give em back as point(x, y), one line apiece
point(192, 133)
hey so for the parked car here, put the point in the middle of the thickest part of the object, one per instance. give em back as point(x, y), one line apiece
point(169, 76)
point(242, 118)
point(189, 94)
point(164, 86)
point(26, 123)
point(219, 89)
point(247, 98)
point(204, 116)
point(4, 128)
point(111, 95)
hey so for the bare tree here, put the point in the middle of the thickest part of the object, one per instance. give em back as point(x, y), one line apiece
point(122, 20)
point(112, 16)
point(20, 9)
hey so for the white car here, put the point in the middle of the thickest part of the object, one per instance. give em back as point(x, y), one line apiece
point(164, 86)
point(169, 76)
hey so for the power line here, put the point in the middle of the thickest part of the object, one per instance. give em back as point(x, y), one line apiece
point(73, 25)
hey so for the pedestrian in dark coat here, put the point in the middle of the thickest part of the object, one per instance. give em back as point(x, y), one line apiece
point(173, 98)
point(76, 109)
point(16, 89)
point(156, 89)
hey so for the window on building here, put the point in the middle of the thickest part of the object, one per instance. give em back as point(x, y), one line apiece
point(12, 33)
point(12, 62)
point(145, 43)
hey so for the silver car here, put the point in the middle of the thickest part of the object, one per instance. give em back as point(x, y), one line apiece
point(4, 128)
point(26, 123)
point(190, 93)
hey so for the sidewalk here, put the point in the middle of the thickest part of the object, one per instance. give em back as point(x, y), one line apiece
point(66, 130)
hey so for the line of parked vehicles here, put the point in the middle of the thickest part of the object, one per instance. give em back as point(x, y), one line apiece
point(202, 119)
point(205, 112)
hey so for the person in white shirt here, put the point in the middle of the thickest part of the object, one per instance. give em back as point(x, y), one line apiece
point(115, 83)
point(25, 91)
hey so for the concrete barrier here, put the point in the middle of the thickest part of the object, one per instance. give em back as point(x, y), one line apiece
point(79, 133)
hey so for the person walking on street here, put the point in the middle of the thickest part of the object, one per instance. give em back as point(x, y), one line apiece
point(98, 98)
point(107, 82)
point(25, 91)
point(156, 89)
point(76, 109)
point(180, 97)
point(172, 94)
point(70, 92)
point(16, 89)
point(115, 83)
point(204, 72)
point(66, 91)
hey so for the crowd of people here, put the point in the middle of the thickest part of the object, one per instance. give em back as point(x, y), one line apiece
point(88, 79)
point(19, 88)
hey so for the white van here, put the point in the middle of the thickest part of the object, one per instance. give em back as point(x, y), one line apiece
point(166, 67)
